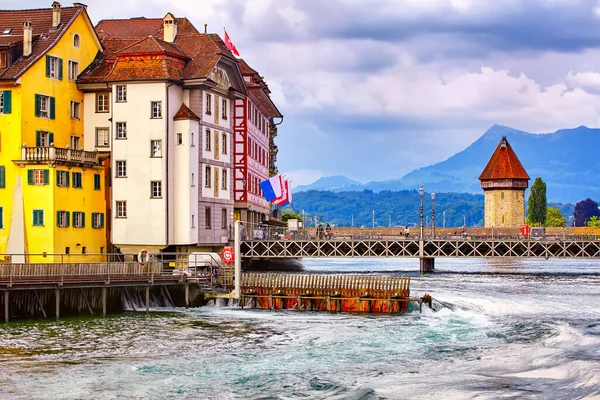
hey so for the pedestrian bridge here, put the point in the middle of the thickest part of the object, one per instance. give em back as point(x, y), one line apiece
point(464, 247)
point(277, 244)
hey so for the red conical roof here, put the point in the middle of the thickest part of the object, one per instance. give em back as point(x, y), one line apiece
point(504, 164)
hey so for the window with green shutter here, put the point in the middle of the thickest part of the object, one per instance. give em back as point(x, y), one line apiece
point(38, 217)
point(1, 217)
point(5, 102)
point(77, 181)
point(2, 178)
point(45, 106)
point(97, 220)
point(38, 177)
point(97, 182)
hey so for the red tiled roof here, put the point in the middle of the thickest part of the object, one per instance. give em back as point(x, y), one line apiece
point(185, 113)
point(44, 36)
point(263, 101)
point(144, 68)
point(245, 68)
point(202, 51)
point(504, 164)
point(152, 45)
point(141, 27)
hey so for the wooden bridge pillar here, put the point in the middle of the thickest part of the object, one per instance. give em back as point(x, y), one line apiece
point(147, 299)
point(104, 301)
point(6, 306)
point(426, 264)
point(187, 295)
point(57, 299)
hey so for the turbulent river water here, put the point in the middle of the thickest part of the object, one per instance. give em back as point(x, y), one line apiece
point(509, 329)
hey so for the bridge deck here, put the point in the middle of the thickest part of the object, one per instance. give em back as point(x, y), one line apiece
point(399, 247)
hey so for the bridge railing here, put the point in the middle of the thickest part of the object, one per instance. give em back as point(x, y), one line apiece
point(267, 232)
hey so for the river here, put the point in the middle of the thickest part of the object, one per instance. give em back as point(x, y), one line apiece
point(527, 329)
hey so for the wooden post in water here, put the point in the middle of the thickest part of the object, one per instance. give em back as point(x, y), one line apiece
point(147, 299)
point(103, 301)
point(187, 295)
point(6, 307)
point(57, 299)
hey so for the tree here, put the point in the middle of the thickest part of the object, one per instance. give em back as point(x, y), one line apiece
point(289, 215)
point(594, 221)
point(537, 204)
point(584, 210)
point(554, 217)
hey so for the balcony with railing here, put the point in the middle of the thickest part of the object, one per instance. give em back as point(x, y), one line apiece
point(55, 155)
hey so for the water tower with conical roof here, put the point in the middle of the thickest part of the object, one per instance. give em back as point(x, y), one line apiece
point(504, 181)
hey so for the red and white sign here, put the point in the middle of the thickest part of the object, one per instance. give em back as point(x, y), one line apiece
point(228, 255)
point(525, 230)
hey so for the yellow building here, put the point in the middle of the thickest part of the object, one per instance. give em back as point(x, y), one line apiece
point(52, 193)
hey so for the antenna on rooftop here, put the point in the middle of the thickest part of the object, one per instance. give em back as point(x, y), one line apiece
point(205, 27)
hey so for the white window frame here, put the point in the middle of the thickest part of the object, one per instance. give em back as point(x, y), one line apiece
point(73, 70)
point(121, 91)
point(207, 176)
point(208, 141)
point(121, 168)
point(76, 40)
point(44, 106)
point(121, 130)
point(121, 207)
point(61, 179)
point(224, 179)
point(62, 219)
point(156, 189)
point(179, 139)
point(38, 177)
point(77, 219)
point(156, 109)
point(208, 109)
point(155, 148)
point(224, 111)
point(97, 220)
point(75, 109)
point(1, 102)
point(224, 143)
point(53, 70)
point(102, 102)
point(224, 218)
point(106, 141)
point(75, 142)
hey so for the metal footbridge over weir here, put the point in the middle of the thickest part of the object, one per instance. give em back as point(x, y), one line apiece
point(273, 244)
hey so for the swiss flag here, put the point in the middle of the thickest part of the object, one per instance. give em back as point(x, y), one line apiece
point(230, 45)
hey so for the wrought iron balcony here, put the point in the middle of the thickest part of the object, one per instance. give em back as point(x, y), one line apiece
point(55, 155)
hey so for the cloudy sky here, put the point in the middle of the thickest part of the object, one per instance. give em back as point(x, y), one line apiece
point(372, 89)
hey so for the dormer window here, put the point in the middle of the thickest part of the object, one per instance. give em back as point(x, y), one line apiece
point(3, 60)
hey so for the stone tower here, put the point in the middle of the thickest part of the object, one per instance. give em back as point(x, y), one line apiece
point(504, 181)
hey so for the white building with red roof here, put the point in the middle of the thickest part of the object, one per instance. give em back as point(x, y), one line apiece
point(161, 99)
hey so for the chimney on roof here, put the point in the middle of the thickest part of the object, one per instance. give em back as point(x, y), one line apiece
point(27, 38)
point(55, 14)
point(169, 28)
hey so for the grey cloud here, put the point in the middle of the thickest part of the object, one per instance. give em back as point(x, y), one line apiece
point(533, 25)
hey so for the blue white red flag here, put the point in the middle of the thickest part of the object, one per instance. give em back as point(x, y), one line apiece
point(272, 188)
point(286, 195)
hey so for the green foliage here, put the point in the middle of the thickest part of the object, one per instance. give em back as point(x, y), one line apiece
point(290, 215)
point(346, 208)
point(594, 221)
point(537, 204)
point(554, 217)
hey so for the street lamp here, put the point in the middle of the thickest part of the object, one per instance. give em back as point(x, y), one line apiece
point(433, 215)
point(421, 191)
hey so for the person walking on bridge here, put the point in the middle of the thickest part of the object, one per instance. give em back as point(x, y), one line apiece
point(328, 232)
point(320, 232)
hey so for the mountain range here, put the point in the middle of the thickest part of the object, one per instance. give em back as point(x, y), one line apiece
point(567, 160)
